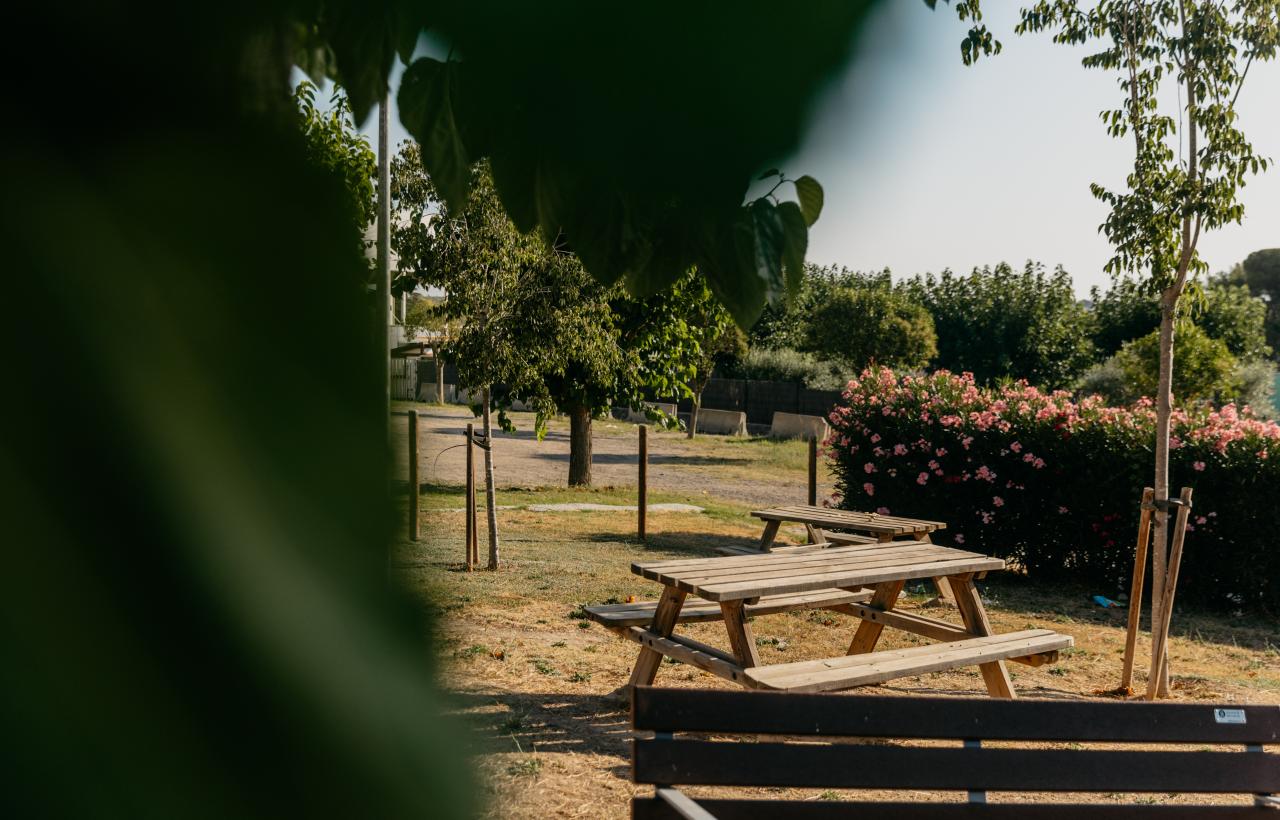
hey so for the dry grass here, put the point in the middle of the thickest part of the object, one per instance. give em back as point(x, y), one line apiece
point(533, 677)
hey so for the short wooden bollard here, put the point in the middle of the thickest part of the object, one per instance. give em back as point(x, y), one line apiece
point(813, 471)
point(414, 484)
point(642, 505)
point(470, 506)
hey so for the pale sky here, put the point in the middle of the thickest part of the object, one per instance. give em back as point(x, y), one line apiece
point(929, 164)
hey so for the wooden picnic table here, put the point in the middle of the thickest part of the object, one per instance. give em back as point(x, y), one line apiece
point(818, 519)
point(864, 580)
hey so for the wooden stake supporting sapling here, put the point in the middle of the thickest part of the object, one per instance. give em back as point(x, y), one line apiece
point(1135, 590)
point(470, 506)
point(414, 485)
point(1160, 631)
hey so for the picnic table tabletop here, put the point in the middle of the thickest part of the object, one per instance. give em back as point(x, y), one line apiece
point(860, 565)
point(848, 519)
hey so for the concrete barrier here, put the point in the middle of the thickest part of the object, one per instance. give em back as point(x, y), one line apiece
point(722, 422)
point(638, 416)
point(795, 425)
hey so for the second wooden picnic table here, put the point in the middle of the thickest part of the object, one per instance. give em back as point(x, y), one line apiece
point(864, 580)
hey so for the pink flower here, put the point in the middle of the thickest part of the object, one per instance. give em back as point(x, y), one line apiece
point(875, 437)
point(1016, 447)
point(869, 468)
point(940, 452)
point(986, 474)
point(882, 510)
point(899, 449)
point(959, 538)
point(923, 478)
point(1200, 519)
point(869, 488)
point(1038, 464)
point(997, 500)
point(1198, 466)
point(1062, 510)
point(966, 441)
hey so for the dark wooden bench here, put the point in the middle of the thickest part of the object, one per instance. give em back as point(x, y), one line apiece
point(668, 762)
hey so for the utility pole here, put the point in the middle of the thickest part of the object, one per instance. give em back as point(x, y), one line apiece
point(384, 252)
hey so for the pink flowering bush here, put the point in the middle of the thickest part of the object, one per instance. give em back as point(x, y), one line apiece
point(1052, 483)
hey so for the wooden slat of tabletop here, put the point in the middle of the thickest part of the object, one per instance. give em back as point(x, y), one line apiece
point(847, 579)
point(851, 519)
point(707, 575)
point(749, 576)
point(781, 559)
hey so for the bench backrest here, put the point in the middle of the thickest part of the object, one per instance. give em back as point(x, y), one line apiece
point(669, 761)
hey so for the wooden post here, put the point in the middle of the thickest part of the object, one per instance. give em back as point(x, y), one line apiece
point(1135, 588)
point(414, 485)
point(813, 471)
point(470, 506)
point(642, 505)
point(1160, 632)
point(435, 352)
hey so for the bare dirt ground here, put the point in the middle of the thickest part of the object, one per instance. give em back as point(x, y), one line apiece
point(531, 679)
point(752, 470)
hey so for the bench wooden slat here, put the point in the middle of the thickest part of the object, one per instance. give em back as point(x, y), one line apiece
point(798, 765)
point(647, 808)
point(851, 519)
point(877, 667)
point(807, 563)
point(640, 613)
point(784, 713)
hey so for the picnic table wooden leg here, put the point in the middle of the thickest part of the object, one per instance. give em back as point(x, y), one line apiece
point(770, 533)
point(975, 620)
point(884, 598)
point(665, 616)
point(815, 535)
point(740, 636)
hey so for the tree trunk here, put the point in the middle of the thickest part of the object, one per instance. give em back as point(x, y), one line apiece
point(580, 447)
point(693, 413)
point(489, 499)
point(1164, 412)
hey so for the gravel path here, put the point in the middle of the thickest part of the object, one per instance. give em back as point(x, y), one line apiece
point(676, 465)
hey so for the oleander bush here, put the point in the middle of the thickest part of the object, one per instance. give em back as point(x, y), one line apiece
point(1052, 483)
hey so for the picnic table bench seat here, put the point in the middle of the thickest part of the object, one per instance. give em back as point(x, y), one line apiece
point(877, 667)
point(806, 747)
point(697, 610)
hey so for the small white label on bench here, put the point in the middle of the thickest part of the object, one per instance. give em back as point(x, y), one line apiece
point(1228, 715)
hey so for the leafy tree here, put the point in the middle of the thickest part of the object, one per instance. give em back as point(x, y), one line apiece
point(1261, 271)
point(1188, 163)
point(334, 144)
point(784, 325)
point(1231, 313)
point(859, 325)
point(998, 323)
point(533, 325)
point(424, 314)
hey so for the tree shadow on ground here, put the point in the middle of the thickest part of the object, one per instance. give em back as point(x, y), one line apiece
point(699, 544)
point(548, 722)
point(659, 458)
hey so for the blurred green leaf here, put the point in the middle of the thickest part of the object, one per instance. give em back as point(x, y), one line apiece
point(809, 192)
point(426, 101)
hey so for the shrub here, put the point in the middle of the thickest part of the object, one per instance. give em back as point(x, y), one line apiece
point(1203, 368)
point(1052, 484)
point(866, 324)
point(785, 365)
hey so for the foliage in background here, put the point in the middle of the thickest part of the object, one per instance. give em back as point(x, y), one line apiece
point(334, 144)
point(1261, 271)
point(533, 324)
point(424, 314)
point(999, 323)
point(1053, 484)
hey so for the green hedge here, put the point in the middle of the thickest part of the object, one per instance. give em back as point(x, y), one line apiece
point(1053, 484)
